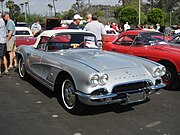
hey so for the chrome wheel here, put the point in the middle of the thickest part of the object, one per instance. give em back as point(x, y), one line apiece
point(167, 77)
point(68, 94)
point(21, 68)
point(171, 78)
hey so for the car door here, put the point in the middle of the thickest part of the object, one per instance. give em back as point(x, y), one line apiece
point(140, 47)
point(124, 44)
point(34, 58)
point(50, 60)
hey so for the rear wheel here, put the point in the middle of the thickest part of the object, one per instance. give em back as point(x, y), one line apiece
point(67, 96)
point(171, 78)
point(22, 70)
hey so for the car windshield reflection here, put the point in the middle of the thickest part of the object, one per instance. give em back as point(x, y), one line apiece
point(149, 39)
point(68, 41)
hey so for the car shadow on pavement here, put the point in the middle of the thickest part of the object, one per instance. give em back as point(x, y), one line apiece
point(43, 89)
point(116, 108)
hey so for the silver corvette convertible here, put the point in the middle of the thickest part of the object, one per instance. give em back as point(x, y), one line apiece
point(69, 63)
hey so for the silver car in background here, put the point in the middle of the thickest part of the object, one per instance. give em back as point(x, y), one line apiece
point(69, 63)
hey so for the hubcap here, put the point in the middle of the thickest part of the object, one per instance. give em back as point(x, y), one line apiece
point(21, 68)
point(167, 77)
point(68, 94)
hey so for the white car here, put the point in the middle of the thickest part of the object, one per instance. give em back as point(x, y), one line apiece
point(23, 32)
point(111, 31)
point(111, 34)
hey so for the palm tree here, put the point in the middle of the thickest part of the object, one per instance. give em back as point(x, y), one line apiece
point(54, 7)
point(1, 5)
point(10, 4)
point(22, 7)
point(50, 9)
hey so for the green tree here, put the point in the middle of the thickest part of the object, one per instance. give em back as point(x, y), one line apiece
point(117, 11)
point(156, 15)
point(16, 11)
point(166, 5)
point(128, 14)
point(9, 5)
point(21, 18)
point(67, 15)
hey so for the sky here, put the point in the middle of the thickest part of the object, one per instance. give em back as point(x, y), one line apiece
point(40, 6)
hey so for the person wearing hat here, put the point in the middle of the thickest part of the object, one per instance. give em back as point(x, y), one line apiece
point(76, 22)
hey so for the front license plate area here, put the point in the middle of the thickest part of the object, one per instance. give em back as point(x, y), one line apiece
point(136, 97)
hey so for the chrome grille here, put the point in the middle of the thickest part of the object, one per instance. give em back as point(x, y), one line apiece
point(130, 86)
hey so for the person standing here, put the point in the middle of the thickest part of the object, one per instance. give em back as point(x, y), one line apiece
point(10, 40)
point(36, 28)
point(98, 29)
point(3, 46)
point(126, 26)
point(76, 21)
point(89, 18)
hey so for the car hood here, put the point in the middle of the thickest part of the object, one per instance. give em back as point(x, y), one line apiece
point(168, 48)
point(101, 60)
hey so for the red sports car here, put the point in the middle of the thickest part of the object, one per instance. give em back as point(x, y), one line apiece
point(150, 45)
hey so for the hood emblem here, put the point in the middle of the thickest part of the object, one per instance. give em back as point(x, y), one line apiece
point(128, 72)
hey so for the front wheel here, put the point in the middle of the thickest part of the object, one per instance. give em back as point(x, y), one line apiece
point(171, 78)
point(22, 70)
point(68, 97)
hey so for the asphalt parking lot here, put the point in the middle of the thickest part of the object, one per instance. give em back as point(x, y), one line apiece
point(28, 108)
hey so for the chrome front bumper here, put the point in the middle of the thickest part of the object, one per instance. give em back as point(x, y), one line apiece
point(122, 98)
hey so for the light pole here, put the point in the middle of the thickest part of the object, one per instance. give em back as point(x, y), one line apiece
point(28, 7)
point(26, 3)
point(139, 11)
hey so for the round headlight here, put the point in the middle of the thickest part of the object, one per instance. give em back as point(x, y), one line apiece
point(103, 79)
point(163, 71)
point(94, 81)
point(157, 72)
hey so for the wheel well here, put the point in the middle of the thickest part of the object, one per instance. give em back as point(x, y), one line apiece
point(18, 56)
point(60, 77)
point(166, 62)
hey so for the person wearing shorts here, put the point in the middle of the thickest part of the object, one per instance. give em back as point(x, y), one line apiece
point(3, 46)
point(10, 40)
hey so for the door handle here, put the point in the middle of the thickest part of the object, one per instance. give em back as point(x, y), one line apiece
point(28, 54)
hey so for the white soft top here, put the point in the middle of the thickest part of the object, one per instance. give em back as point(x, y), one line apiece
point(49, 33)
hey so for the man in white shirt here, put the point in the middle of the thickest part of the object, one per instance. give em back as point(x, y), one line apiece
point(36, 28)
point(97, 28)
point(126, 26)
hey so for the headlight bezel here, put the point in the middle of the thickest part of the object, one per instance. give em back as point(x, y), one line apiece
point(163, 71)
point(94, 80)
point(98, 79)
point(159, 71)
point(103, 79)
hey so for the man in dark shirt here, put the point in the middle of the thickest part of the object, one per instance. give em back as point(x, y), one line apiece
point(75, 23)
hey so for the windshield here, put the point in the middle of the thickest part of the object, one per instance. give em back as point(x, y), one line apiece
point(68, 41)
point(150, 39)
